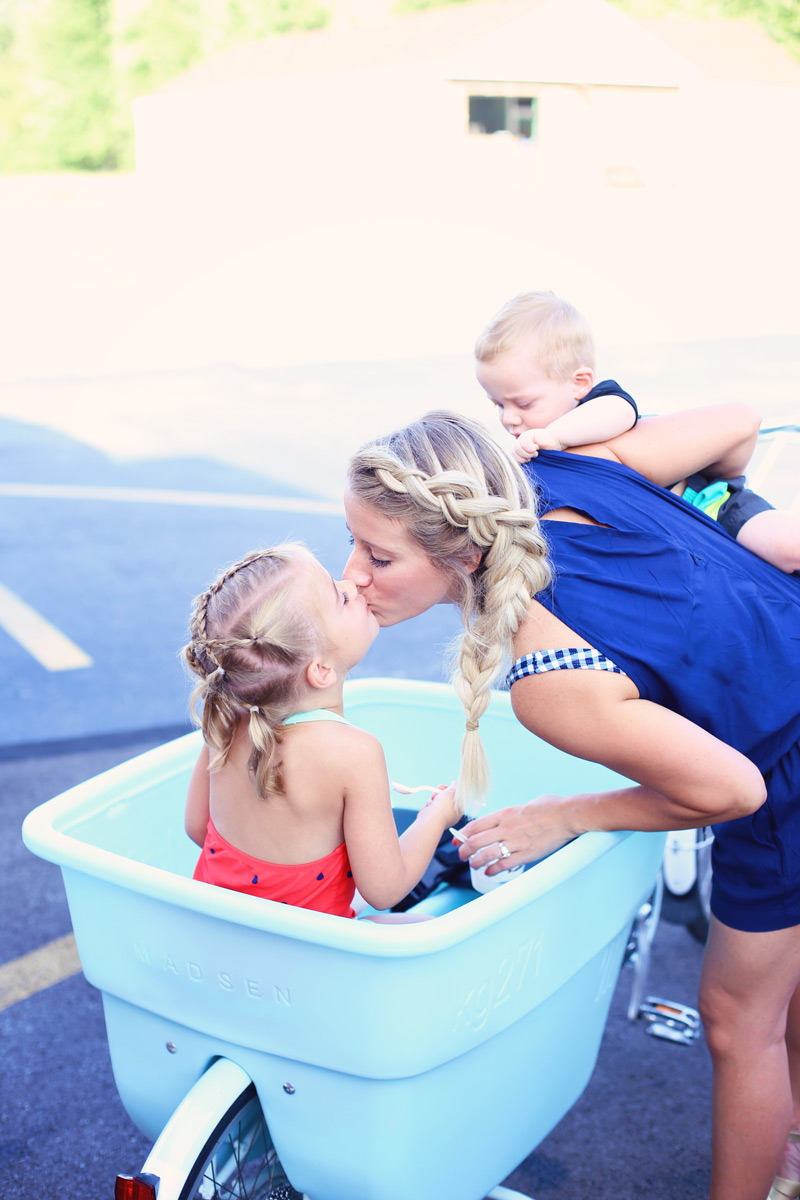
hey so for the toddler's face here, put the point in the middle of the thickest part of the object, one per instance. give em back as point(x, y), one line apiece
point(523, 396)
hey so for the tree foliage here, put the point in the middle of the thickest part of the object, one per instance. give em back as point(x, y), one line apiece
point(778, 18)
point(70, 68)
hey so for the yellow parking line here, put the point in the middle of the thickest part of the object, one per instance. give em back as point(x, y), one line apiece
point(48, 645)
point(38, 970)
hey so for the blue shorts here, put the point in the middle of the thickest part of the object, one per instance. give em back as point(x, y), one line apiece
point(756, 860)
point(740, 505)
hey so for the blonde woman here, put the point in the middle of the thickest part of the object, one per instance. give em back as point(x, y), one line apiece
point(644, 638)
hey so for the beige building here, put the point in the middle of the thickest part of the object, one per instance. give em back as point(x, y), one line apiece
point(390, 181)
point(535, 89)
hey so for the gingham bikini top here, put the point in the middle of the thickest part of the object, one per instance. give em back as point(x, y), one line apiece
point(576, 659)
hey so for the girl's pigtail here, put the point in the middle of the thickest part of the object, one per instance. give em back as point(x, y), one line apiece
point(250, 644)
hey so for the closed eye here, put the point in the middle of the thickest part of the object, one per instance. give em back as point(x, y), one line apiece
point(375, 562)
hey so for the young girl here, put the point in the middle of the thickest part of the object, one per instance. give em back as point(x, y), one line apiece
point(287, 799)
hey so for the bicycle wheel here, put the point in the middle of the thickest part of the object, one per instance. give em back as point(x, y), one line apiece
point(216, 1145)
point(687, 896)
point(239, 1161)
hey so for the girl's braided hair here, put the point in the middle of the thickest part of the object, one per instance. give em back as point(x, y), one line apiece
point(456, 493)
point(250, 642)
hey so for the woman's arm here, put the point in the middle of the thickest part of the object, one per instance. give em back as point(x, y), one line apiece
point(197, 800)
point(385, 868)
point(685, 776)
point(717, 441)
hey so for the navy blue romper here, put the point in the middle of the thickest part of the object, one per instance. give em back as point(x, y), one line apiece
point(702, 627)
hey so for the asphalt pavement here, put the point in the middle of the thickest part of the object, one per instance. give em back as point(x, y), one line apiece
point(109, 543)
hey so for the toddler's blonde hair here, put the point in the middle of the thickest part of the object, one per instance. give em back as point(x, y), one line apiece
point(559, 337)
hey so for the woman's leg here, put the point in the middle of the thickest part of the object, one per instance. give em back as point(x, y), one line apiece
point(789, 1165)
point(748, 981)
point(793, 1047)
point(747, 984)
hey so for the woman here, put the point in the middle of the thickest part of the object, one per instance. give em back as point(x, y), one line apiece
point(694, 646)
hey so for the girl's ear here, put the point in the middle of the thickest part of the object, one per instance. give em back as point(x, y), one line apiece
point(320, 674)
point(472, 561)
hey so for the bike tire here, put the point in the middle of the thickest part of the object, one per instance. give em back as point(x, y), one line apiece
point(216, 1145)
point(238, 1160)
point(693, 908)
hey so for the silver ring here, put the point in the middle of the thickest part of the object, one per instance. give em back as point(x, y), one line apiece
point(504, 850)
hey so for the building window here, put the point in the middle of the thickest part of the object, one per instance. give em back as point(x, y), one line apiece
point(503, 114)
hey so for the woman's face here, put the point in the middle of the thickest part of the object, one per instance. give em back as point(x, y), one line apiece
point(392, 573)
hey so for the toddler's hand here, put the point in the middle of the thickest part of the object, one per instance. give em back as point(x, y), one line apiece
point(529, 443)
point(444, 801)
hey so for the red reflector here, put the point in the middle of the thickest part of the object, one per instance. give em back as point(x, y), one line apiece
point(133, 1187)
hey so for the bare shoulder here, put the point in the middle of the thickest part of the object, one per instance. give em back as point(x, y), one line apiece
point(543, 630)
point(344, 746)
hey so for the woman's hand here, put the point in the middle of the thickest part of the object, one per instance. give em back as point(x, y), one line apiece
point(528, 831)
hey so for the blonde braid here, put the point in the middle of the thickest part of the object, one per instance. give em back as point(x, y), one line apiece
point(458, 493)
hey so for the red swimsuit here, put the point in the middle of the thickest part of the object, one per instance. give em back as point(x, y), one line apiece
point(325, 885)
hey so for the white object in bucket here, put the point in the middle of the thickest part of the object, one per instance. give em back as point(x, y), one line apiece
point(487, 883)
point(482, 882)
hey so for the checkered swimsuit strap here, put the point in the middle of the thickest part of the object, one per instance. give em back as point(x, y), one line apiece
point(575, 659)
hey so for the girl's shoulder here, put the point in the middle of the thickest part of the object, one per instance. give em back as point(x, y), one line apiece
point(338, 739)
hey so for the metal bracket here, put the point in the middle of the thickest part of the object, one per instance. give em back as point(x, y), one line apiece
point(670, 1020)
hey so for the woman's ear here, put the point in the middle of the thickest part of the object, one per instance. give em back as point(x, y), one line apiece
point(320, 674)
point(472, 561)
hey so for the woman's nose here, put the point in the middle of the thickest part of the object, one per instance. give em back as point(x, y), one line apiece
point(355, 570)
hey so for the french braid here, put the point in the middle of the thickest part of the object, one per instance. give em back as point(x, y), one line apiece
point(456, 493)
point(250, 642)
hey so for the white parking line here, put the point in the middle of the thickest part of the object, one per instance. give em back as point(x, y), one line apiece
point(48, 491)
point(48, 645)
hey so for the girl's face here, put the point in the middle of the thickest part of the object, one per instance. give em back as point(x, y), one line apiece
point(348, 624)
point(392, 573)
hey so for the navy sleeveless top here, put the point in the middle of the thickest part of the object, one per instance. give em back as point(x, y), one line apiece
point(701, 625)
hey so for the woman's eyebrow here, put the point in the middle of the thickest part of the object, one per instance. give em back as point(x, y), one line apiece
point(372, 546)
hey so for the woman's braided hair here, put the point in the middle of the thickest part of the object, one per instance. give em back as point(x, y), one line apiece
point(456, 492)
point(250, 642)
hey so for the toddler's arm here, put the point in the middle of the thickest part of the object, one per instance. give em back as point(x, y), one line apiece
point(197, 800)
point(385, 868)
point(597, 420)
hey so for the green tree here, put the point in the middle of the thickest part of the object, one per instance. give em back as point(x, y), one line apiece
point(162, 41)
point(77, 121)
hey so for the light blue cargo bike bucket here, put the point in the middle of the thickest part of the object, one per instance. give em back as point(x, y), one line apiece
point(417, 1062)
